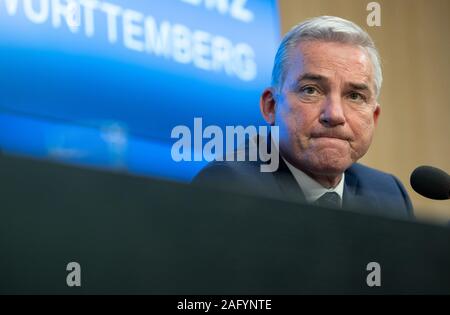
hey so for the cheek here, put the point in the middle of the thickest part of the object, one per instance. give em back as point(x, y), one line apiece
point(363, 127)
point(297, 119)
point(296, 136)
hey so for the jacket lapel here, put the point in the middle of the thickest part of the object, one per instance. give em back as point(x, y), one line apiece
point(289, 187)
point(350, 189)
point(355, 196)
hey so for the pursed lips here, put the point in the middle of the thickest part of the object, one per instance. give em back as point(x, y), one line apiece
point(328, 136)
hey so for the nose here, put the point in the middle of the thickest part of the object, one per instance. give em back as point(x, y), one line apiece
point(332, 113)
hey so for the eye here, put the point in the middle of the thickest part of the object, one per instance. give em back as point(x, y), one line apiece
point(354, 96)
point(309, 90)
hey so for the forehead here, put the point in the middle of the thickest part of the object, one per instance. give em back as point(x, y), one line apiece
point(331, 60)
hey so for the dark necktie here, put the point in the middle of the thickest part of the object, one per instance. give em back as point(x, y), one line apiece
point(329, 200)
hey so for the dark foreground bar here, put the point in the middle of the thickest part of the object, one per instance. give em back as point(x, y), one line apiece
point(133, 235)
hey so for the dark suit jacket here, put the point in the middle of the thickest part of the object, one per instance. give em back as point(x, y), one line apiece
point(366, 190)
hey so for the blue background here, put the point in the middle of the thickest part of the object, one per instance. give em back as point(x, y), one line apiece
point(86, 101)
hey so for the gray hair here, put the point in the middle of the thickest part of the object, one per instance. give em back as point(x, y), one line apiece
point(325, 28)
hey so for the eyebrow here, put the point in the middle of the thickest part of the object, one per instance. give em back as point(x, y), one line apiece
point(311, 77)
point(359, 86)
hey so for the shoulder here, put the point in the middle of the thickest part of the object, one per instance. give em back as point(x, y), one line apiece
point(238, 176)
point(383, 186)
point(244, 177)
point(227, 169)
point(372, 176)
point(232, 166)
point(363, 170)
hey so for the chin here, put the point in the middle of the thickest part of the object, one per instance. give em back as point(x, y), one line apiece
point(330, 170)
point(330, 166)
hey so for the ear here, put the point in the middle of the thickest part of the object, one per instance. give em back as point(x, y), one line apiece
point(376, 114)
point(267, 105)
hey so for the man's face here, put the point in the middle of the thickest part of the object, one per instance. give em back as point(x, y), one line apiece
point(327, 108)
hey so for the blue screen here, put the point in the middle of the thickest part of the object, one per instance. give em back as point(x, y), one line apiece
point(103, 83)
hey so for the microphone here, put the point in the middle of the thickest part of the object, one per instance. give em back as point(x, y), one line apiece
point(431, 182)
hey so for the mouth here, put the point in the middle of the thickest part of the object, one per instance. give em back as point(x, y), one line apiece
point(329, 137)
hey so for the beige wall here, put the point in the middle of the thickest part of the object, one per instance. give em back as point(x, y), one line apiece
point(413, 41)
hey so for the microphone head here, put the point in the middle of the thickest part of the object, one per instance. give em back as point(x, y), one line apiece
point(431, 182)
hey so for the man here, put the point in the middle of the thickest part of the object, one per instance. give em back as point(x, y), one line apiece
point(325, 83)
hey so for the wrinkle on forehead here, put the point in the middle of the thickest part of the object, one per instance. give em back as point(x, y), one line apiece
point(332, 60)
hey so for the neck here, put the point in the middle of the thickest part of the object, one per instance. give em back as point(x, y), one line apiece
point(327, 181)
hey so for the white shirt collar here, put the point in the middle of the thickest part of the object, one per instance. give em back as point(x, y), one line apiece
point(311, 188)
